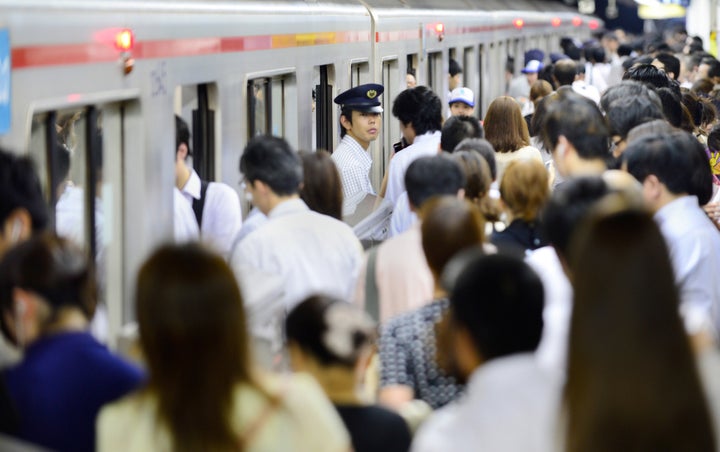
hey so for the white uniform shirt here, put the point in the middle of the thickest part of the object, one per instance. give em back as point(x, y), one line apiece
point(402, 217)
point(353, 163)
point(425, 145)
point(295, 254)
point(186, 227)
point(694, 245)
point(222, 217)
point(510, 405)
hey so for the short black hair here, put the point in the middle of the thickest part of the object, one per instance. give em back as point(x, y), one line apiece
point(671, 63)
point(482, 147)
point(182, 133)
point(20, 189)
point(272, 161)
point(568, 205)
point(578, 119)
point(628, 112)
point(649, 74)
point(432, 176)
point(347, 112)
point(499, 300)
point(626, 88)
point(458, 128)
point(454, 68)
point(421, 107)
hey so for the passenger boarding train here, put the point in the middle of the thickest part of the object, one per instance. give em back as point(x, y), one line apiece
point(105, 78)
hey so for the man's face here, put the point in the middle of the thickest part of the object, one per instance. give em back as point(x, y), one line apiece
point(365, 127)
point(461, 109)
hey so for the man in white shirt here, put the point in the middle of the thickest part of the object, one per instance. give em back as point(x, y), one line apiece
point(360, 123)
point(297, 252)
point(669, 167)
point(510, 403)
point(216, 205)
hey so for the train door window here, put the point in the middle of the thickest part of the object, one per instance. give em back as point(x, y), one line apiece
point(196, 105)
point(323, 108)
point(359, 73)
point(470, 76)
point(393, 83)
point(258, 96)
point(270, 101)
point(436, 75)
point(412, 68)
point(480, 95)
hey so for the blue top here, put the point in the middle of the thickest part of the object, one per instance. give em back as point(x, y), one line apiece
point(60, 385)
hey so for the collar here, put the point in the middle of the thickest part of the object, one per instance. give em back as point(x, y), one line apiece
point(288, 207)
point(193, 186)
point(493, 373)
point(356, 149)
point(670, 210)
point(427, 137)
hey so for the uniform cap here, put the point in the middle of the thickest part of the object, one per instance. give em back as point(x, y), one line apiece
point(532, 67)
point(364, 98)
point(464, 95)
point(534, 54)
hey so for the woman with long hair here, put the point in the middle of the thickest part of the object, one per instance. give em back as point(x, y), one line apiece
point(321, 189)
point(632, 382)
point(202, 392)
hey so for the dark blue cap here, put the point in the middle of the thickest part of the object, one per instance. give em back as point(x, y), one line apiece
point(363, 98)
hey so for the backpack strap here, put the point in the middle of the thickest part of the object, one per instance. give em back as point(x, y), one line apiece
point(372, 294)
point(198, 205)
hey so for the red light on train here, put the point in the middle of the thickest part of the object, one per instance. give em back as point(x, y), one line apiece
point(439, 28)
point(577, 21)
point(593, 24)
point(518, 23)
point(124, 40)
point(556, 22)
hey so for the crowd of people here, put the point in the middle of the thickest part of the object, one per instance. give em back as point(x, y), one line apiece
point(548, 281)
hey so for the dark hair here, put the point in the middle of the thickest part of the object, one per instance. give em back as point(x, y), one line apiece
point(182, 133)
point(454, 68)
point(189, 305)
point(654, 127)
point(638, 388)
point(449, 225)
point(672, 106)
point(311, 326)
point(420, 107)
point(701, 109)
point(565, 72)
point(671, 63)
point(458, 128)
point(714, 69)
point(20, 189)
point(272, 161)
point(628, 112)
point(714, 138)
point(626, 88)
point(52, 267)
point(347, 112)
point(580, 121)
point(595, 54)
point(568, 205)
point(673, 158)
point(703, 85)
point(322, 188)
point(505, 126)
point(649, 74)
point(431, 176)
point(499, 300)
point(482, 147)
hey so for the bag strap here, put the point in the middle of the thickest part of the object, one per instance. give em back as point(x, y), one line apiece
point(198, 205)
point(372, 295)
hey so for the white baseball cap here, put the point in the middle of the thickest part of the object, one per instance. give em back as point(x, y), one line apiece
point(464, 95)
point(532, 67)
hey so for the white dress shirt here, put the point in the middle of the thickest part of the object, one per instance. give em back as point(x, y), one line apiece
point(222, 217)
point(186, 227)
point(402, 217)
point(297, 253)
point(694, 245)
point(510, 405)
point(425, 145)
point(353, 163)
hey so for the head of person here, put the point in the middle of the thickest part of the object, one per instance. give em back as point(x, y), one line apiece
point(433, 176)
point(595, 54)
point(325, 335)
point(702, 111)
point(650, 75)
point(22, 207)
point(576, 133)
point(272, 170)
point(458, 128)
point(667, 62)
point(477, 174)
point(505, 126)
point(531, 70)
point(182, 139)
point(410, 80)
point(621, 272)
point(454, 74)
point(188, 304)
point(702, 86)
point(462, 102)
point(669, 166)
point(539, 90)
point(419, 111)
point(673, 109)
point(321, 188)
point(709, 68)
point(626, 113)
point(650, 128)
point(46, 286)
point(624, 89)
point(565, 71)
point(496, 307)
point(360, 111)
point(449, 225)
point(524, 189)
point(484, 148)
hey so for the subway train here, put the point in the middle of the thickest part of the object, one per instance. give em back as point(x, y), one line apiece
point(105, 78)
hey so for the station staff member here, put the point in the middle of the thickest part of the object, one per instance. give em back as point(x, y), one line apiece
point(360, 124)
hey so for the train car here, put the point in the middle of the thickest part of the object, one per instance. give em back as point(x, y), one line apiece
point(104, 79)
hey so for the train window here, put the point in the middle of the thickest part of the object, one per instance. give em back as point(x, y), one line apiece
point(436, 76)
point(270, 101)
point(277, 106)
point(470, 76)
point(394, 83)
point(323, 108)
point(258, 96)
point(412, 68)
point(195, 104)
point(359, 74)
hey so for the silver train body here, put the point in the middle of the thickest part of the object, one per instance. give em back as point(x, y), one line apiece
point(232, 69)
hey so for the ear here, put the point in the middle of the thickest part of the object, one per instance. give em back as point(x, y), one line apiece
point(182, 152)
point(345, 122)
point(652, 187)
point(18, 226)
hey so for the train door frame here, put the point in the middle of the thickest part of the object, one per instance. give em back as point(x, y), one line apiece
point(324, 117)
point(393, 81)
point(278, 84)
point(201, 112)
point(480, 98)
point(470, 78)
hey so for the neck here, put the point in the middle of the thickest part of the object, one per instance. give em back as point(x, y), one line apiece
point(340, 385)
point(666, 198)
point(365, 144)
point(182, 175)
point(594, 167)
point(67, 320)
point(276, 200)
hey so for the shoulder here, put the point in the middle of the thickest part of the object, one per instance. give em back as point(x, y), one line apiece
point(222, 189)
